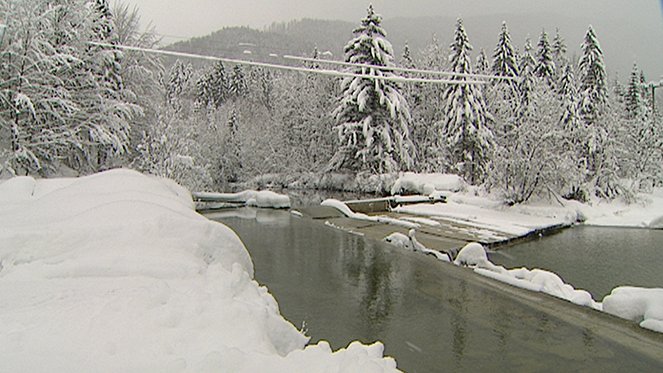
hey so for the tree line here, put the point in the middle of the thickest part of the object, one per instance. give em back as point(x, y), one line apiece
point(549, 126)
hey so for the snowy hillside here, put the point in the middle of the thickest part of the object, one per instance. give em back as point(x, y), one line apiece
point(116, 272)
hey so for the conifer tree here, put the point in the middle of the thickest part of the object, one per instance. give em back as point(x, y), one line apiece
point(633, 101)
point(568, 94)
point(482, 65)
point(212, 87)
point(593, 79)
point(238, 87)
point(373, 116)
point(504, 57)
point(466, 127)
point(545, 66)
point(527, 66)
point(559, 50)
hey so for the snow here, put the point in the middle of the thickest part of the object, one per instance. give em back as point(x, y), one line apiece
point(467, 205)
point(538, 280)
point(641, 305)
point(345, 210)
point(116, 272)
point(426, 184)
point(262, 199)
point(410, 242)
point(647, 213)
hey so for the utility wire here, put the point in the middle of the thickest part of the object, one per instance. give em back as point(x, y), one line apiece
point(395, 68)
point(397, 79)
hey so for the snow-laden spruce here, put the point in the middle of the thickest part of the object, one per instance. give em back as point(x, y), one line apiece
point(116, 272)
point(373, 116)
point(466, 126)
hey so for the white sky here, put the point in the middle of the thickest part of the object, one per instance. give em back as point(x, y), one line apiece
point(200, 17)
point(187, 18)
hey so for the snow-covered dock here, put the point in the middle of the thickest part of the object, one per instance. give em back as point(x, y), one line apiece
point(440, 226)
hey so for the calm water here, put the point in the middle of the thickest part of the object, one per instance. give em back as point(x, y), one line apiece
point(345, 288)
point(593, 258)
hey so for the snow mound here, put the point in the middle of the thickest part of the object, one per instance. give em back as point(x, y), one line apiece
point(410, 242)
point(117, 272)
point(262, 199)
point(641, 305)
point(538, 280)
point(426, 184)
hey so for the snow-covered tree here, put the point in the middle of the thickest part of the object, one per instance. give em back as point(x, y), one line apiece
point(58, 104)
point(526, 86)
point(406, 59)
point(504, 56)
point(568, 94)
point(559, 50)
point(634, 104)
point(545, 65)
point(373, 116)
point(466, 127)
point(212, 88)
point(593, 79)
point(238, 87)
point(177, 82)
point(482, 65)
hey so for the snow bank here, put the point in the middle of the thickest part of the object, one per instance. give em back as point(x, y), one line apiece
point(644, 306)
point(426, 184)
point(345, 210)
point(474, 255)
point(116, 272)
point(262, 199)
point(647, 213)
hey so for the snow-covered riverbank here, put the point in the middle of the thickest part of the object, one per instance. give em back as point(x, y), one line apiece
point(469, 204)
point(116, 272)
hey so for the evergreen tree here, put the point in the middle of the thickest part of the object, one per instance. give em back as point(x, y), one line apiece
point(482, 65)
point(527, 66)
point(466, 128)
point(568, 94)
point(545, 66)
point(503, 95)
point(593, 79)
point(559, 50)
point(504, 56)
point(213, 87)
point(177, 84)
point(634, 105)
point(238, 86)
point(406, 59)
point(373, 116)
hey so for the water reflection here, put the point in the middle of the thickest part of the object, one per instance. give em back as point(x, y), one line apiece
point(431, 319)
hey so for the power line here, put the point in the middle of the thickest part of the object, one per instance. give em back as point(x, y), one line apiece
point(394, 68)
point(397, 79)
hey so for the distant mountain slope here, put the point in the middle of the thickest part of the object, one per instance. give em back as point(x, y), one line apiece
point(623, 41)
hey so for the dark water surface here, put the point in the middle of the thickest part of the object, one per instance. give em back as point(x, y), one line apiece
point(346, 288)
point(596, 259)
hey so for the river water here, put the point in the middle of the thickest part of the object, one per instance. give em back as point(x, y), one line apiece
point(343, 287)
point(596, 259)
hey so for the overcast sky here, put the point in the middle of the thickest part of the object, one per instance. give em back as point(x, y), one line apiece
point(187, 18)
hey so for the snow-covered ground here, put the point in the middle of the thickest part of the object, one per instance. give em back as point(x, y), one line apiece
point(116, 272)
point(468, 205)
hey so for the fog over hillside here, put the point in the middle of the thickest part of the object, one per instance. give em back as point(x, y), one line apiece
point(301, 36)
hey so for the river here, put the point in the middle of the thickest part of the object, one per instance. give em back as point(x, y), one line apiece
point(343, 287)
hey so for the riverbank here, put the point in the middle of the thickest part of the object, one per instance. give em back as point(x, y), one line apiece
point(117, 272)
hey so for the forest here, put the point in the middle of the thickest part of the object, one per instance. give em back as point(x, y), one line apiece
point(535, 123)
